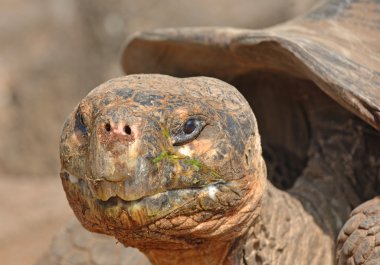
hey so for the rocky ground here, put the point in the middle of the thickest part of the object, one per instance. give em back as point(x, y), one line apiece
point(51, 54)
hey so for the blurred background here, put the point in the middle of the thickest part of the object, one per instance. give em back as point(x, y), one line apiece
point(52, 53)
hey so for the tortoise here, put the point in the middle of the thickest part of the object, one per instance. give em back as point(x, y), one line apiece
point(171, 160)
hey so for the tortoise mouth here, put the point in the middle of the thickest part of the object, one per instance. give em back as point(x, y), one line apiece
point(109, 193)
point(147, 208)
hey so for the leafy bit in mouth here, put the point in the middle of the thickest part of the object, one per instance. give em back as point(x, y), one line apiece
point(166, 134)
point(195, 163)
point(172, 157)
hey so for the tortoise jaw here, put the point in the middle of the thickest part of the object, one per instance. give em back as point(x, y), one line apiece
point(102, 190)
point(111, 199)
point(193, 175)
point(148, 208)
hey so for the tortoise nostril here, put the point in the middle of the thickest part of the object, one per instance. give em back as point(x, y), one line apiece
point(107, 126)
point(127, 130)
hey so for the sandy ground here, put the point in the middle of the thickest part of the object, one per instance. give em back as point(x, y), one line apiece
point(31, 212)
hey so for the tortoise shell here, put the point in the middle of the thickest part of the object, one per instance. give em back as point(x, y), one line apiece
point(336, 46)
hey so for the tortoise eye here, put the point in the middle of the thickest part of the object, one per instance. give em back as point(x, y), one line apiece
point(80, 122)
point(189, 130)
point(81, 119)
point(189, 126)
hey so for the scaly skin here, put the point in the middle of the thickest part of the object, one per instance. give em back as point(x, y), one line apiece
point(359, 239)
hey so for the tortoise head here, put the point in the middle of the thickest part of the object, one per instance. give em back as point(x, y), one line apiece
point(152, 158)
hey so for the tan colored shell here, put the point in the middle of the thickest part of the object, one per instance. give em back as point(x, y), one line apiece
point(334, 46)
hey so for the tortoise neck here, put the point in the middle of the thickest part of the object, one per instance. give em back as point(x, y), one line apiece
point(207, 253)
point(337, 152)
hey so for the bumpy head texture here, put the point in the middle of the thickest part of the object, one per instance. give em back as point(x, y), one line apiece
point(153, 159)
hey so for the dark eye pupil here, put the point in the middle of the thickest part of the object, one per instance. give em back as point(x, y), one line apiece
point(189, 126)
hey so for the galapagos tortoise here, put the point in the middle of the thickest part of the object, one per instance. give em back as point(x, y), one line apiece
point(174, 166)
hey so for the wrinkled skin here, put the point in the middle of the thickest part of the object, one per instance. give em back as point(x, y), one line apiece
point(135, 167)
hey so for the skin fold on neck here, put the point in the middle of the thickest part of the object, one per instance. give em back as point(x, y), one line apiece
point(208, 253)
